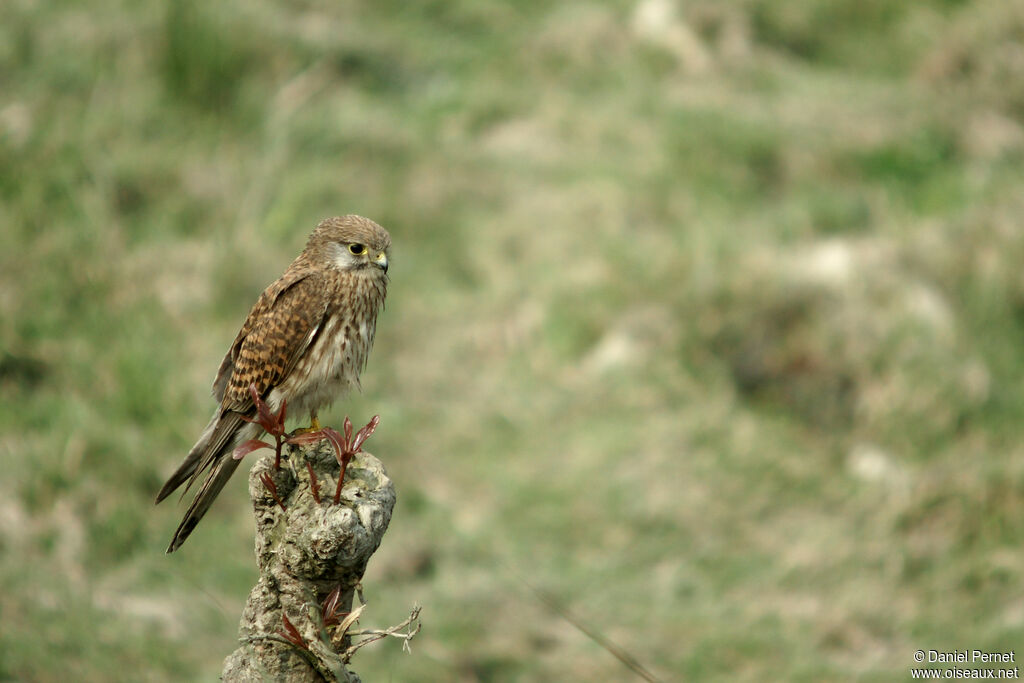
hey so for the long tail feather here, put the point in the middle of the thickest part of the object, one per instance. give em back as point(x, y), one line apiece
point(222, 470)
point(212, 452)
point(191, 462)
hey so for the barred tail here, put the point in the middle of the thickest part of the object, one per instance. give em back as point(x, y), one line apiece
point(222, 470)
point(212, 452)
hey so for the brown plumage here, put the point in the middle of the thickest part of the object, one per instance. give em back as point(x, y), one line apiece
point(305, 341)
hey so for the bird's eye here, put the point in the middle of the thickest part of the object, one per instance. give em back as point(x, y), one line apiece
point(357, 249)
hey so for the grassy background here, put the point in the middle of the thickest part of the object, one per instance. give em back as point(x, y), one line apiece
point(706, 317)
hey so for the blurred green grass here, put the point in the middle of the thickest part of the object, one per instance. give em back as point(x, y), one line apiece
point(705, 317)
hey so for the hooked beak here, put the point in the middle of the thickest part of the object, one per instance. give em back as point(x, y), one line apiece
point(382, 261)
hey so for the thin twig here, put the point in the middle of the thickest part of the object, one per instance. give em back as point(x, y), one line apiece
point(553, 604)
point(375, 635)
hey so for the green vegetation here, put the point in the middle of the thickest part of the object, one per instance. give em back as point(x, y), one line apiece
point(709, 323)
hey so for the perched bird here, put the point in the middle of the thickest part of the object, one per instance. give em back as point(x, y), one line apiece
point(305, 341)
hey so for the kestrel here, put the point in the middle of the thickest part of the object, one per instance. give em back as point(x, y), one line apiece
point(305, 341)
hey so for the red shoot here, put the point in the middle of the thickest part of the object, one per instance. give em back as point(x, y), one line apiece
point(329, 609)
point(291, 634)
point(344, 446)
point(314, 486)
point(248, 447)
point(268, 482)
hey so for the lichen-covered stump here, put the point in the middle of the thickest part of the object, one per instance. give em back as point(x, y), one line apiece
point(304, 552)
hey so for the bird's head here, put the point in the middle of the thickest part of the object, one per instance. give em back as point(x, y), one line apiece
point(350, 243)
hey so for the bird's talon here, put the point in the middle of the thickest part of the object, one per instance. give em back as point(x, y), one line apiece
point(314, 426)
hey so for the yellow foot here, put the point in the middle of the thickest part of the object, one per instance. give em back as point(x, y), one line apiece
point(314, 426)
